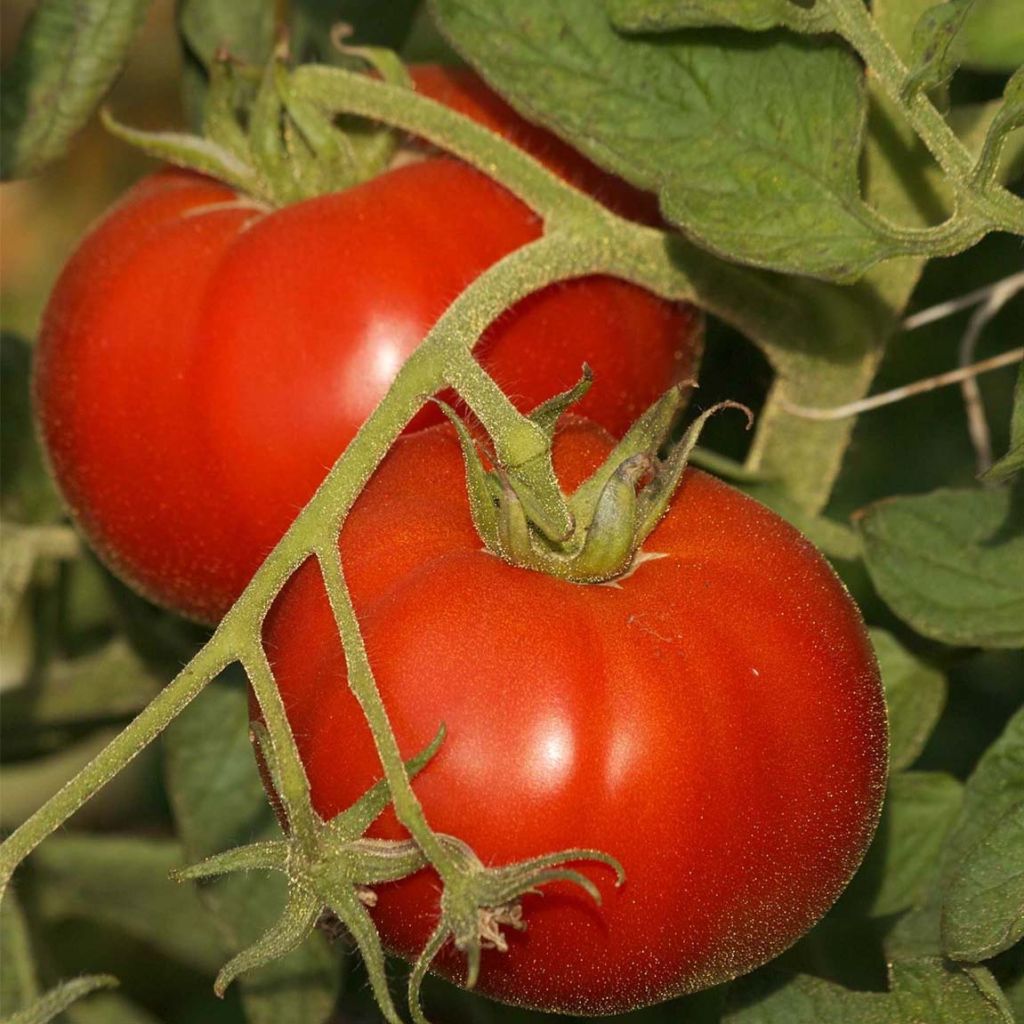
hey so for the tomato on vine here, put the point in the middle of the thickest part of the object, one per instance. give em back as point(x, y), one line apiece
point(203, 361)
point(713, 720)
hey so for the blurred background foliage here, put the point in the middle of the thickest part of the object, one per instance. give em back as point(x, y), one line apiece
point(77, 622)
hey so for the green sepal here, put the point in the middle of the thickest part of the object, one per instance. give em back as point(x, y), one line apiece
point(547, 414)
point(481, 487)
point(192, 152)
point(613, 510)
point(655, 498)
point(612, 538)
point(267, 138)
point(481, 900)
point(647, 434)
point(226, 96)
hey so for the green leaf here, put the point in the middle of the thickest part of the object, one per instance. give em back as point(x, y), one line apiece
point(752, 143)
point(109, 1008)
point(921, 992)
point(993, 36)
point(242, 28)
point(67, 58)
point(983, 872)
point(919, 811)
point(944, 565)
point(934, 55)
point(19, 984)
point(754, 15)
point(58, 999)
point(915, 694)
point(124, 883)
point(219, 803)
point(101, 686)
point(1013, 461)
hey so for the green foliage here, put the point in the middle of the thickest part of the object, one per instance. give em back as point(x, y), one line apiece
point(983, 869)
point(915, 693)
point(920, 990)
point(766, 176)
point(772, 150)
point(950, 564)
point(67, 59)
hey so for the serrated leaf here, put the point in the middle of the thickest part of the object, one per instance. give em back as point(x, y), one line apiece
point(921, 992)
point(983, 870)
point(19, 985)
point(124, 883)
point(919, 812)
point(219, 803)
point(752, 143)
point(950, 564)
point(915, 693)
point(753, 15)
point(58, 999)
point(934, 55)
point(67, 58)
point(1013, 461)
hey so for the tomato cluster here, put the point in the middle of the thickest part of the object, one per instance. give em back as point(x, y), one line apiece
point(713, 719)
point(202, 363)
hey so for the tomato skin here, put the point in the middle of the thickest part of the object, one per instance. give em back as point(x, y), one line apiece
point(715, 721)
point(203, 363)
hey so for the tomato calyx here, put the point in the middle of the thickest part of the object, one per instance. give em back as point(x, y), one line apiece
point(263, 137)
point(477, 902)
point(611, 513)
point(331, 872)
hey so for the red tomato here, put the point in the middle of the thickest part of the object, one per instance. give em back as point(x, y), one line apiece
point(203, 363)
point(715, 721)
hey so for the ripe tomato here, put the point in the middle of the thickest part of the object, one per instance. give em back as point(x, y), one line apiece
point(203, 363)
point(715, 721)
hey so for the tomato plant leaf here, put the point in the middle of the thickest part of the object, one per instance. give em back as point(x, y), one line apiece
point(124, 883)
point(218, 803)
point(903, 860)
point(67, 58)
point(19, 984)
point(916, 695)
point(108, 1008)
point(920, 990)
point(1013, 461)
point(944, 565)
point(754, 15)
point(762, 173)
point(1009, 118)
point(983, 872)
point(22, 547)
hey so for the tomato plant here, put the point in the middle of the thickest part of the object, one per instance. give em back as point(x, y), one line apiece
point(714, 721)
point(202, 356)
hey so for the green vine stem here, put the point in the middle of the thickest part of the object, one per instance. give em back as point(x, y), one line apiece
point(991, 203)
